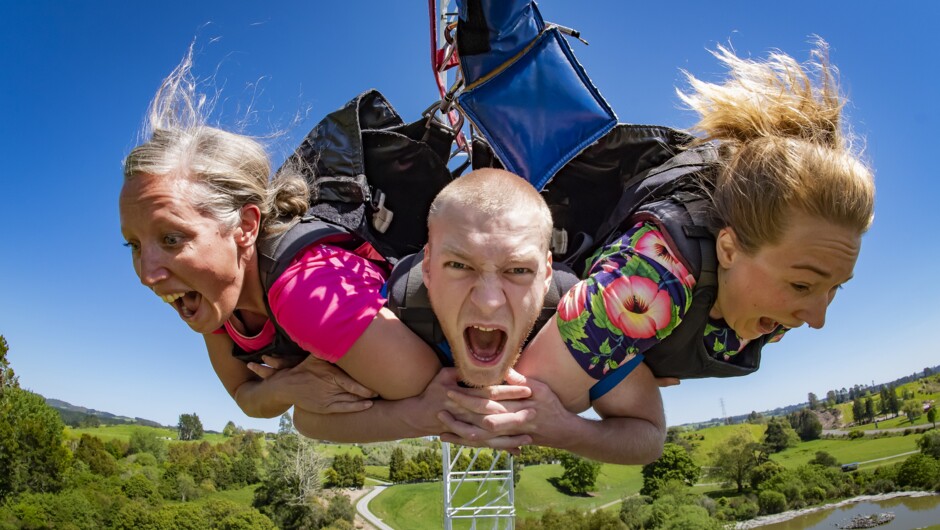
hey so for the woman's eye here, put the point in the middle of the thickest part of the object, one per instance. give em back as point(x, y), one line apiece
point(799, 287)
point(133, 246)
point(456, 265)
point(171, 240)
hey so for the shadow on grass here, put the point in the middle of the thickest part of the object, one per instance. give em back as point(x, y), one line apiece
point(564, 489)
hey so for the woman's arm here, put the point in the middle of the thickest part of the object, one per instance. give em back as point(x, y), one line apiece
point(265, 392)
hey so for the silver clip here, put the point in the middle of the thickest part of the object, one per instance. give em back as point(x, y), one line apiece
point(382, 217)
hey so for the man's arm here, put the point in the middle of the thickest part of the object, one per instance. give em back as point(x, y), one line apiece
point(632, 425)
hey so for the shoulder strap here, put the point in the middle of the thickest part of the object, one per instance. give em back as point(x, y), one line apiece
point(274, 255)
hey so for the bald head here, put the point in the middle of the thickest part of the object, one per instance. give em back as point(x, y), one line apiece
point(494, 192)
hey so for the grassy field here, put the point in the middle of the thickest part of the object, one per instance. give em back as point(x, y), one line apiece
point(419, 506)
point(705, 441)
point(846, 451)
point(120, 432)
point(124, 432)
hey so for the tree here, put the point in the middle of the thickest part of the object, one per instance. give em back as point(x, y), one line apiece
point(285, 425)
point(396, 466)
point(91, 451)
point(230, 429)
point(292, 482)
point(858, 411)
point(347, 471)
point(32, 455)
point(869, 409)
point(580, 474)
point(806, 424)
point(919, 471)
point(824, 459)
point(7, 377)
point(147, 441)
point(780, 435)
point(190, 427)
point(813, 401)
point(734, 460)
point(929, 444)
point(912, 409)
point(675, 464)
point(754, 418)
point(932, 416)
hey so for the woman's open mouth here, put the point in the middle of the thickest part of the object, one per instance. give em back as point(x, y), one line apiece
point(485, 344)
point(186, 304)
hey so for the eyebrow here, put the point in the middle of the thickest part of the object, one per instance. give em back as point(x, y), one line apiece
point(813, 268)
point(817, 270)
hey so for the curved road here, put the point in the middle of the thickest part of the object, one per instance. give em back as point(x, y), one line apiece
point(363, 508)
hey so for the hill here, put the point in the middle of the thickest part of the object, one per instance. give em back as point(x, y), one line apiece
point(76, 416)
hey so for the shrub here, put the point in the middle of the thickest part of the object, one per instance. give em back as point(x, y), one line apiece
point(771, 502)
point(855, 434)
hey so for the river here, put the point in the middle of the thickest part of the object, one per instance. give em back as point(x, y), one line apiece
point(911, 512)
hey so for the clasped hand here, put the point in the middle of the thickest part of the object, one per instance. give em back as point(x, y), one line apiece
point(314, 385)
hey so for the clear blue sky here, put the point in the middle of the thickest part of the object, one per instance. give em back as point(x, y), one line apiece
point(76, 78)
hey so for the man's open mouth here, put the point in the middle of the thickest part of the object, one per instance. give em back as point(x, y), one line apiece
point(485, 344)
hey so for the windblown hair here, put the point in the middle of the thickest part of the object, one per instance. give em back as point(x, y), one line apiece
point(229, 170)
point(783, 147)
point(493, 192)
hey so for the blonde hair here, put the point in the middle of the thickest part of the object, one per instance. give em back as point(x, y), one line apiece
point(493, 192)
point(782, 146)
point(229, 170)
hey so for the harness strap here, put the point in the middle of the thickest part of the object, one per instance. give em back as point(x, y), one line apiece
point(614, 377)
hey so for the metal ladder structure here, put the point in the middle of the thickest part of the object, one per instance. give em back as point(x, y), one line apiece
point(477, 499)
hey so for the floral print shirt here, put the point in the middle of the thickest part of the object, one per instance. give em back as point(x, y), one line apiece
point(636, 293)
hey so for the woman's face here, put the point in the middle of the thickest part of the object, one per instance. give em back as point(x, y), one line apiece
point(788, 283)
point(187, 258)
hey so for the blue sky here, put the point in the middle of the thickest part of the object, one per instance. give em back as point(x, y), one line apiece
point(77, 77)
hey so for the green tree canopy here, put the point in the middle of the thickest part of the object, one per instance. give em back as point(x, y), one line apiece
point(32, 456)
point(675, 464)
point(580, 475)
point(780, 435)
point(190, 427)
point(734, 460)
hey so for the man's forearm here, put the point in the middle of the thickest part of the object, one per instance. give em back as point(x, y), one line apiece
point(616, 440)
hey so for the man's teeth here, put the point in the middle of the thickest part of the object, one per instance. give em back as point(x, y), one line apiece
point(170, 298)
point(481, 328)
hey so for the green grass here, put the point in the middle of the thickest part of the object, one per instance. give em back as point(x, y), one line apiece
point(411, 506)
point(331, 449)
point(705, 441)
point(379, 472)
point(120, 432)
point(846, 451)
point(419, 506)
point(242, 496)
point(124, 433)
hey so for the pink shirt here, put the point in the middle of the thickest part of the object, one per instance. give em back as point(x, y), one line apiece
point(324, 300)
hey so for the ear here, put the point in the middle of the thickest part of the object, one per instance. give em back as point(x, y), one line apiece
point(246, 233)
point(549, 271)
point(726, 246)
point(426, 265)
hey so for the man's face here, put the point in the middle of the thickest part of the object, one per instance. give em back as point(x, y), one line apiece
point(486, 277)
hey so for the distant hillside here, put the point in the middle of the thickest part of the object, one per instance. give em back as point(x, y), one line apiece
point(75, 416)
point(783, 411)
